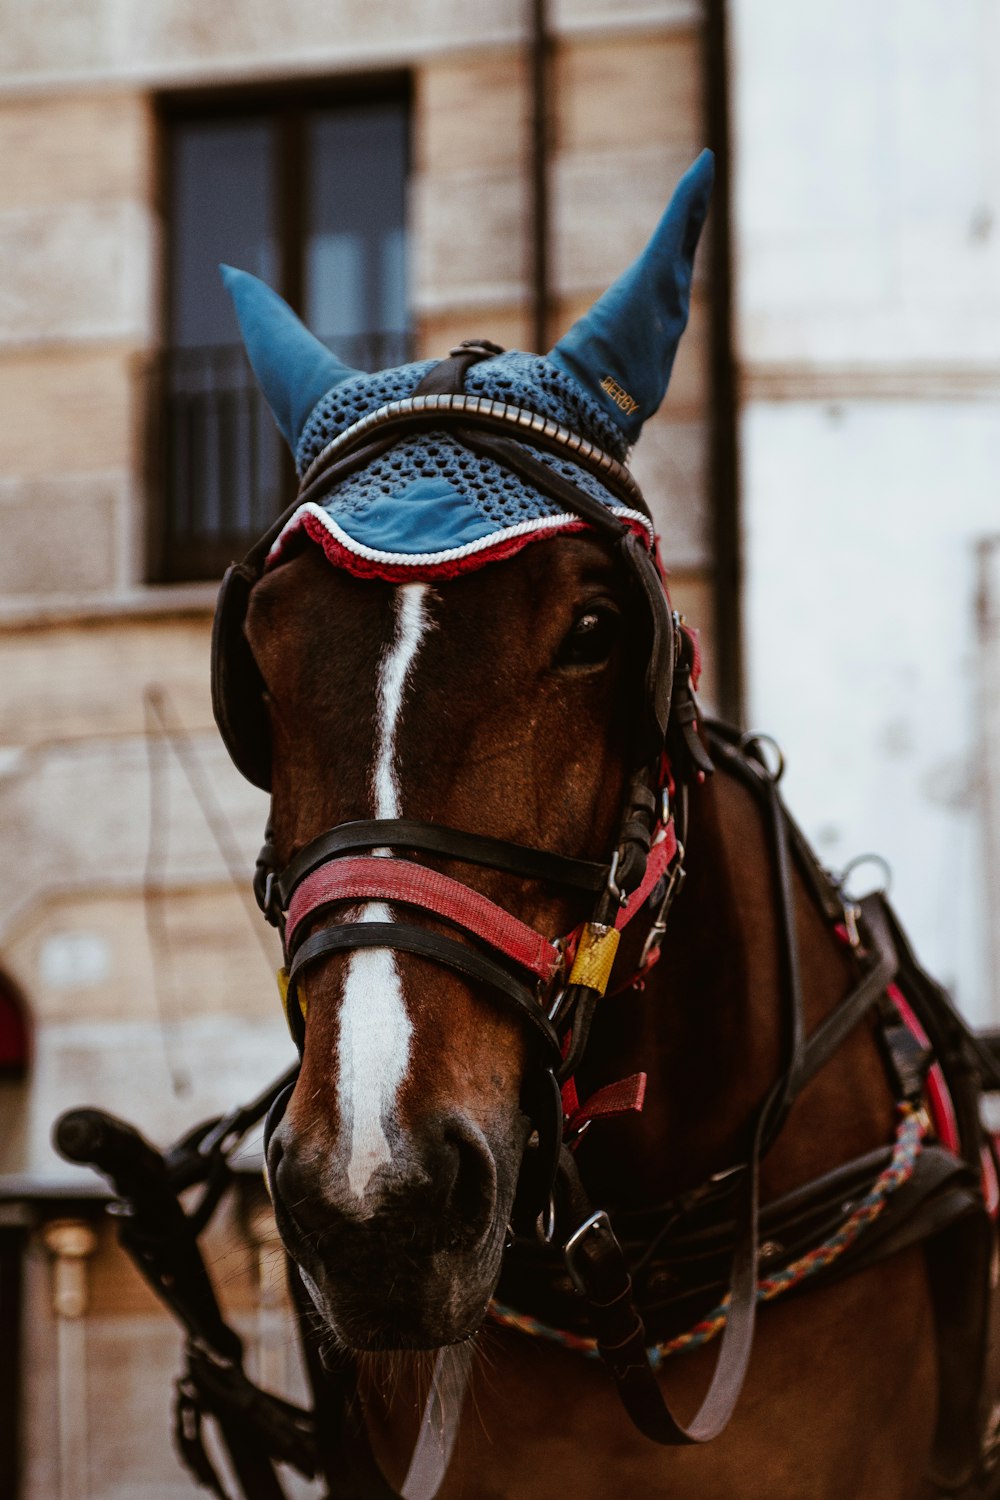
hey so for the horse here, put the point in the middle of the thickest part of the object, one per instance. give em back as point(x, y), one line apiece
point(555, 1174)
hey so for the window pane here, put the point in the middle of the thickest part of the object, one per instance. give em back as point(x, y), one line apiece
point(341, 174)
point(222, 457)
point(355, 241)
point(221, 209)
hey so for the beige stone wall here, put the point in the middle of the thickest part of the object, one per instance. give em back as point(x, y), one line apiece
point(77, 245)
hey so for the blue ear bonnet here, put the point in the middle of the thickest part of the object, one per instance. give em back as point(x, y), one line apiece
point(429, 495)
point(430, 502)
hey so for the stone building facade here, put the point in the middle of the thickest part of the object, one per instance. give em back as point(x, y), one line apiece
point(139, 967)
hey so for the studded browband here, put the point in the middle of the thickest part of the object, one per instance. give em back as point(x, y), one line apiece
point(477, 411)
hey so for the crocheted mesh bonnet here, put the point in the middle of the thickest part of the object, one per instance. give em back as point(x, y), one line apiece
point(427, 504)
point(431, 504)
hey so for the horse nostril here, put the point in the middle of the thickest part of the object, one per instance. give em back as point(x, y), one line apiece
point(466, 1180)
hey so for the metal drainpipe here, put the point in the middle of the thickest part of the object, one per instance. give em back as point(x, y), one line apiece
point(538, 60)
point(71, 1242)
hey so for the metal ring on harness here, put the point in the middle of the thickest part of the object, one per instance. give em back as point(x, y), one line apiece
point(855, 864)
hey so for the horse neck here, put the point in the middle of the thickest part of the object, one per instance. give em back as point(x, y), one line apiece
point(707, 1028)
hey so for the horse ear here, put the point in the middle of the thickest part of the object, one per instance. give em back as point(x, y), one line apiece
point(623, 350)
point(293, 369)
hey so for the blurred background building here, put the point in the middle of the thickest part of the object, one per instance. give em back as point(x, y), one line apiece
point(409, 173)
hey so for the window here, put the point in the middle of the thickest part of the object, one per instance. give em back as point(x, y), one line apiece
point(308, 194)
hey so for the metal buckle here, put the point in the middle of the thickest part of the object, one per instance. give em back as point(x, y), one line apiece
point(545, 1224)
point(598, 1221)
point(271, 905)
point(557, 1001)
point(856, 863)
point(851, 914)
point(675, 882)
point(613, 885)
point(753, 744)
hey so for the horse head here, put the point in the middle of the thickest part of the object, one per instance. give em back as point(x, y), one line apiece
point(454, 752)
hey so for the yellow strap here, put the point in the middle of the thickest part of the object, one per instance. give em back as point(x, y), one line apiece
point(595, 956)
point(300, 999)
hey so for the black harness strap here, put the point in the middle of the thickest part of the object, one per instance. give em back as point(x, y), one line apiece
point(436, 838)
point(426, 944)
point(446, 377)
point(597, 1265)
point(594, 1256)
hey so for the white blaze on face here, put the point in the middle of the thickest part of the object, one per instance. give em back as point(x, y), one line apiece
point(375, 1028)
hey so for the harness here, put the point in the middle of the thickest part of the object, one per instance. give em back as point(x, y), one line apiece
point(704, 1249)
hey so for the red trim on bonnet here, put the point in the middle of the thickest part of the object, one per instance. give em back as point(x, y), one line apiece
point(364, 567)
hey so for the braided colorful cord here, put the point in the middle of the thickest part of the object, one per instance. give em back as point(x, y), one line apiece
point(909, 1138)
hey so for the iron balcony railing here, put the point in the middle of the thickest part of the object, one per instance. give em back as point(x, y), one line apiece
point(219, 472)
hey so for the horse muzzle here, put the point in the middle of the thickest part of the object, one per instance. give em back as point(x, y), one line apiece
point(412, 1261)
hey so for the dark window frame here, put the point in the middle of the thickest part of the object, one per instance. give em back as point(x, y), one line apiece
point(288, 106)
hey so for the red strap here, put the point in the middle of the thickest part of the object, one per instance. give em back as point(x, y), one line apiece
point(660, 856)
point(622, 1098)
point(695, 637)
point(384, 878)
point(939, 1100)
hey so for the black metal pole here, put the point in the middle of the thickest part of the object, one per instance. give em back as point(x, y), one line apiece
point(539, 47)
point(723, 448)
point(13, 1238)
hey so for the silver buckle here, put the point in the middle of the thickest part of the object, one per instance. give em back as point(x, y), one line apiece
point(598, 1220)
point(675, 881)
point(613, 885)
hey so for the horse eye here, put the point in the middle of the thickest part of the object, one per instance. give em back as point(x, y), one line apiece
point(592, 639)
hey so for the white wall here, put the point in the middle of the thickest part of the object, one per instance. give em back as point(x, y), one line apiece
point(867, 225)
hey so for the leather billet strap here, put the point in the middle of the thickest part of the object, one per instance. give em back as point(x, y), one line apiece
point(447, 376)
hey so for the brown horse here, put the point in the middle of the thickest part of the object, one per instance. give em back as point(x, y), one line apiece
point(513, 702)
point(506, 732)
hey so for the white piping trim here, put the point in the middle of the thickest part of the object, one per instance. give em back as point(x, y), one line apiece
point(448, 554)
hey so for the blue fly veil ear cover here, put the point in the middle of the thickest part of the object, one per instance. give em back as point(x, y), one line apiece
point(429, 507)
point(293, 369)
point(622, 351)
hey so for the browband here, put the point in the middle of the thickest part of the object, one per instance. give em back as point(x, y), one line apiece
point(499, 415)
